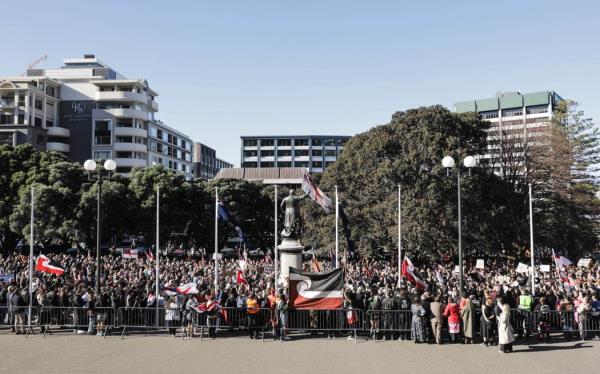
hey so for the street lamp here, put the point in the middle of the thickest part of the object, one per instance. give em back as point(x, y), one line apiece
point(448, 163)
point(90, 166)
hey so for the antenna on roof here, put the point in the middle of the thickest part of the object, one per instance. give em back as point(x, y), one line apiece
point(33, 64)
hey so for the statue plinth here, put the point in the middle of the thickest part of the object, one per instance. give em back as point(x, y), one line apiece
point(290, 255)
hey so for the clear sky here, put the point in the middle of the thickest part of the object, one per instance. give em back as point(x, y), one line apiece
point(229, 68)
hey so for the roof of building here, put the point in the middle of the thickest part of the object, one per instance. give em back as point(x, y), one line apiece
point(507, 100)
point(266, 175)
point(293, 136)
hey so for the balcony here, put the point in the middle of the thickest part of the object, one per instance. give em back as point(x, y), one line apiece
point(127, 113)
point(121, 96)
point(7, 104)
point(131, 131)
point(58, 131)
point(131, 162)
point(131, 147)
point(154, 106)
point(60, 147)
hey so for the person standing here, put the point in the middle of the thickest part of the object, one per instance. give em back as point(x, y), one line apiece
point(506, 336)
point(467, 314)
point(583, 311)
point(252, 309)
point(488, 322)
point(172, 316)
point(418, 323)
point(452, 314)
point(437, 319)
point(282, 313)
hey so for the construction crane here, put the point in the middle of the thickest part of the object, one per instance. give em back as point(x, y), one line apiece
point(33, 64)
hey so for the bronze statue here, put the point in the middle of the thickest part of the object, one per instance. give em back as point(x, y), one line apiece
point(292, 215)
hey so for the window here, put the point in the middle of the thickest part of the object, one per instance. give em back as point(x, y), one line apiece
point(537, 109)
point(489, 114)
point(102, 155)
point(317, 152)
point(267, 164)
point(250, 153)
point(284, 164)
point(330, 152)
point(317, 142)
point(124, 139)
point(49, 123)
point(102, 132)
point(39, 104)
point(249, 165)
point(50, 91)
point(159, 134)
point(512, 112)
point(300, 142)
point(328, 164)
point(37, 122)
point(317, 164)
point(301, 164)
point(250, 142)
point(284, 152)
point(330, 142)
point(284, 142)
point(301, 152)
point(267, 153)
point(267, 143)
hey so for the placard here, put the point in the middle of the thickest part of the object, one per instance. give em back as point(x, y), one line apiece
point(456, 269)
point(584, 262)
point(545, 268)
point(480, 264)
point(522, 268)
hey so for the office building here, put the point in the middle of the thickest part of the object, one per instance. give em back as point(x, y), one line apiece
point(312, 152)
point(206, 164)
point(516, 120)
point(85, 109)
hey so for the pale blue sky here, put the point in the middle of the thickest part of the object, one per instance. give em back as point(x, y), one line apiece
point(229, 68)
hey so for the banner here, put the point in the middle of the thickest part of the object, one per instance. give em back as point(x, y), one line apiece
point(545, 268)
point(480, 264)
point(318, 291)
point(522, 268)
point(584, 262)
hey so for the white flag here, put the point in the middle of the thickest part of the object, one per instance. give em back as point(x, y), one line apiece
point(309, 187)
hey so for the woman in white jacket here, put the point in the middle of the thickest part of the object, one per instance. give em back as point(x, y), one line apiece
point(505, 331)
point(172, 315)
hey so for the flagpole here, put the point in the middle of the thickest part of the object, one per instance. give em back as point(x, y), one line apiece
point(337, 241)
point(275, 250)
point(399, 232)
point(216, 239)
point(531, 242)
point(31, 259)
point(157, 262)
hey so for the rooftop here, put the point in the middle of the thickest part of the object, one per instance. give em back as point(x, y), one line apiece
point(508, 100)
point(266, 175)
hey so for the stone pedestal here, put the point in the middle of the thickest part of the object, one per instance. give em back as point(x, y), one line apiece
point(290, 255)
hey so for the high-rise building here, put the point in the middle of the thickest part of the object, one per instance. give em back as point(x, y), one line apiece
point(86, 109)
point(206, 163)
point(516, 120)
point(312, 152)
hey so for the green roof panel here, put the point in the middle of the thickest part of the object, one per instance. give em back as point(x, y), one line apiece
point(511, 101)
point(484, 105)
point(537, 98)
point(465, 106)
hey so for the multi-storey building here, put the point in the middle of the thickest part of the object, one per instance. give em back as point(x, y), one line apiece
point(516, 120)
point(206, 163)
point(85, 109)
point(170, 148)
point(312, 152)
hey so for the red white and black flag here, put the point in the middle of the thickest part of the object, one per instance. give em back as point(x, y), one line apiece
point(319, 291)
point(408, 272)
point(44, 264)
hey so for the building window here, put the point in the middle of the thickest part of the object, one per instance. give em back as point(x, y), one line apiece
point(49, 123)
point(249, 165)
point(317, 152)
point(252, 153)
point(39, 104)
point(284, 164)
point(330, 142)
point(37, 122)
point(50, 91)
point(300, 142)
point(489, 114)
point(330, 152)
point(267, 153)
point(267, 164)
point(317, 164)
point(102, 155)
point(250, 142)
point(102, 132)
point(317, 142)
point(301, 152)
point(284, 142)
point(301, 164)
point(284, 152)
point(328, 164)
point(537, 109)
point(512, 112)
point(124, 139)
point(267, 143)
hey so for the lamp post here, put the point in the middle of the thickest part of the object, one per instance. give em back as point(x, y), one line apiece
point(91, 167)
point(448, 163)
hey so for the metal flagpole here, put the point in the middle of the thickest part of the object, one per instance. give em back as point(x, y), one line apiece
point(275, 250)
point(157, 262)
point(216, 240)
point(31, 259)
point(337, 241)
point(399, 232)
point(531, 242)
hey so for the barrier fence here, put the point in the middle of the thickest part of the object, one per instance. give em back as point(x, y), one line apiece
point(354, 322)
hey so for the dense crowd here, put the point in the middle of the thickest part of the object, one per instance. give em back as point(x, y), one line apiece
point(484, 308)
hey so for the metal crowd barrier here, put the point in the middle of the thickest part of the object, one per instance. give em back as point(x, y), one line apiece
point(388, 322)
point(232, 319)
point(97, 320)
point(337, 320)
point(136, 318)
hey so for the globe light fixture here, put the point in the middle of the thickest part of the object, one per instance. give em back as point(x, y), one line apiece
point(110, 165)
point(470, 161)
point(448, 162)
point(89, 165)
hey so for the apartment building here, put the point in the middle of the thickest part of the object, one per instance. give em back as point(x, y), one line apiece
point(312, 152)
point(516, 119)
point(206, 164)
point(86, 109)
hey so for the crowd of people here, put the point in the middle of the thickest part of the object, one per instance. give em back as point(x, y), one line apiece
point(493, 298)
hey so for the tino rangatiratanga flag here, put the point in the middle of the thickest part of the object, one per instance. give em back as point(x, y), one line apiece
point(318, 291)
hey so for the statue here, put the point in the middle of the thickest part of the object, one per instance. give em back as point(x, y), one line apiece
point(292, 215)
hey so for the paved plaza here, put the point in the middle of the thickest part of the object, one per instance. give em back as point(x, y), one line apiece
point(159, 354)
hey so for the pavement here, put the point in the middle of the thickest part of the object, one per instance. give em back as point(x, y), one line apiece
point(68, 353)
